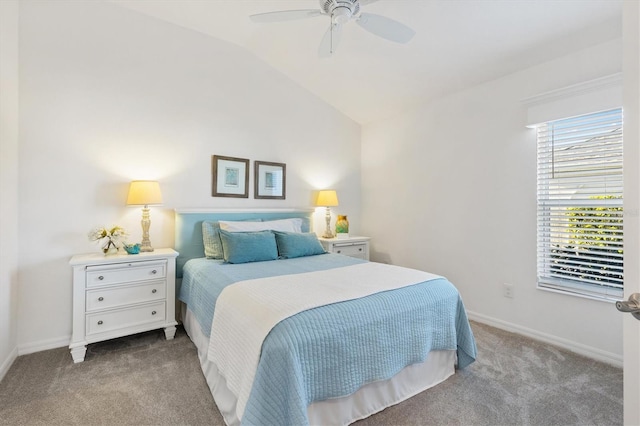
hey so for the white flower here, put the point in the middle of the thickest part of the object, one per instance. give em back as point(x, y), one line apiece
point(114, 234)
point(97, 234)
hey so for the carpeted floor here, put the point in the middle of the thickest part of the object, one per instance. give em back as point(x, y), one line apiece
point(146, 380)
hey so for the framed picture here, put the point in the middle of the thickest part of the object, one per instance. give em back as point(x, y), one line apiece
point(270, 180)
point(230, 177)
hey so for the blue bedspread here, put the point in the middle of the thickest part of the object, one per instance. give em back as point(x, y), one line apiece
point(333, 350)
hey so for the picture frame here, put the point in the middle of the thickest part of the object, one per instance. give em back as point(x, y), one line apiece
point(230, 177)
point(270, 180)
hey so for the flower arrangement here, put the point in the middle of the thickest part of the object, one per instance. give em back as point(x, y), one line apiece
point(110, 238)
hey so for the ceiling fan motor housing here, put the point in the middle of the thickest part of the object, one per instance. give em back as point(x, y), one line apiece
point(341, 11)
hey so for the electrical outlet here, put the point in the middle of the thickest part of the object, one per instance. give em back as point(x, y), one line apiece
point(507, 290)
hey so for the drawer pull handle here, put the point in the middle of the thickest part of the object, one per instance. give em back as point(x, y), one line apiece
point(154, 272)
point(100, 322)
point(153, 313)
point(100, 299)
point(339, 251)
point(154, 291)
point(100, 278)
point(360, 249)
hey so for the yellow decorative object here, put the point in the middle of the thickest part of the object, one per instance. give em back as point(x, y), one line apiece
point(342, 225)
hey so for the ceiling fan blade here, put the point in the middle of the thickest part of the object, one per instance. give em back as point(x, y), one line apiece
point(284, 15)
point(330, 41)
point(366, 2)
point(385, 27)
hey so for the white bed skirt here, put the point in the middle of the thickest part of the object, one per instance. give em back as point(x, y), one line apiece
point(369, 399)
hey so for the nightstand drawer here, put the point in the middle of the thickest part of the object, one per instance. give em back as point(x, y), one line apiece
point(350, 246)
point(121, 318)
point(353, 250)
point(111, 297)
point(125, 272)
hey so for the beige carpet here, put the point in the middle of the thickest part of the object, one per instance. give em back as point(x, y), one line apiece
point(146, 380)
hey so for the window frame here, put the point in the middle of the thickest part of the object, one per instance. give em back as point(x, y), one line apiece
point(580, 228)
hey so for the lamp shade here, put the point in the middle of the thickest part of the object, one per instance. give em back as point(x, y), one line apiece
point(143, 193)
point(327, 198)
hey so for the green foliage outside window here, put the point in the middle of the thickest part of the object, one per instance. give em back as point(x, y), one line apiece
point(594, 227)
point(595, 235)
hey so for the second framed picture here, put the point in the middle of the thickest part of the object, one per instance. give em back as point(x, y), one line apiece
point(270, 180)
point(230, 177)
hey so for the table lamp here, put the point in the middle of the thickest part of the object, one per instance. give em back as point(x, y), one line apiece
point(327, 198)
point(144, 193)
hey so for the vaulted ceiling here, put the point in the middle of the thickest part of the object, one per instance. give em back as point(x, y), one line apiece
point(458, 43)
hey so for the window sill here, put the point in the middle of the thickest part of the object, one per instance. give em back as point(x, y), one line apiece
point(607, 299)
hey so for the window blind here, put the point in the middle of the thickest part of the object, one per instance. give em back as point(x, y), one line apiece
point(580, 217)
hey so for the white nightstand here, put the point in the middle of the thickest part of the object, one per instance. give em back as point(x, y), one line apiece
point(114, 296)
point(351, 246)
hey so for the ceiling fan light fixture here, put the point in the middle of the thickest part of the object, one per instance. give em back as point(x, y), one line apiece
point(341, 15)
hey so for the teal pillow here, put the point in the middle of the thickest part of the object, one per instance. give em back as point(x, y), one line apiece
point(243, 247)
point(295, 244)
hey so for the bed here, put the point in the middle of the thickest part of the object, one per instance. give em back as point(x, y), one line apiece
point(360, 336)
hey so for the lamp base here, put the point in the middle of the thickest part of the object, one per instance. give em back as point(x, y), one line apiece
point(327, 231)
point(145, 245)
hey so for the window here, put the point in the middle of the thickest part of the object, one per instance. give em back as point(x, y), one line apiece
point(580, 218)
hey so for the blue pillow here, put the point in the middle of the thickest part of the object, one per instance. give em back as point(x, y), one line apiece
point(243, 247)
point(295, 244)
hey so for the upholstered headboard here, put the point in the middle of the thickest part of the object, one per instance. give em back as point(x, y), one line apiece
point(188, 230)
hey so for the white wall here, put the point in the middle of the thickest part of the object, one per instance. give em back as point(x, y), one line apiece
point(108, 95)
point(8, 182)
point(451, 188)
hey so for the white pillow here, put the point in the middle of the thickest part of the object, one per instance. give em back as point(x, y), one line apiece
point(284, 225)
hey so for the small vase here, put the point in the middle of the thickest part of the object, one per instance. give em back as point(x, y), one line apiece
point(342, 225)
point(110, 248)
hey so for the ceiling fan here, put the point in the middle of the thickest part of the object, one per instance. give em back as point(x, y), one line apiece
point(341, 12)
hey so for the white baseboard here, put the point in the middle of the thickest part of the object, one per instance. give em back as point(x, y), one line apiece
point(43, 345)
point(6, 365)
point(579, 348)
